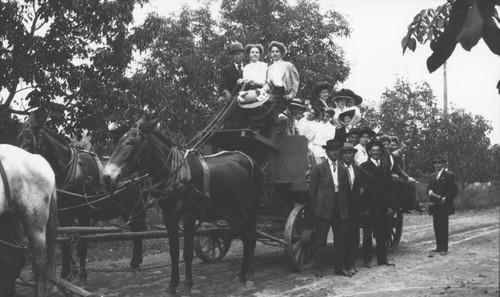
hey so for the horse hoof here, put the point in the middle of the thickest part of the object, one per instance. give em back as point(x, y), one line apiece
point(131, 274)
point(170, 294)
point(249, 284)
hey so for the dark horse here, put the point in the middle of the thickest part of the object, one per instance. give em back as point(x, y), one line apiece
point(81, 197)
point(224, 186)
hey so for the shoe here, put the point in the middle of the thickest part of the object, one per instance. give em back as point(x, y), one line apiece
point(443, 253)
point(351, 272)
point(367, 265)
point(386, 264)
point(344, 273)
point(430, 255)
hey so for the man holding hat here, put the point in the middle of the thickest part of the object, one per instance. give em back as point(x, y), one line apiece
point(441, 191)
point(230, 74)
point(377, 205)
point(328, 191)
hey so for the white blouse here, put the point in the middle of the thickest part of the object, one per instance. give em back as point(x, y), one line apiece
point(277, 70)
point(255, 71)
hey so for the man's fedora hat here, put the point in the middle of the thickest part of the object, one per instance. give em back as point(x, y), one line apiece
point(346, 94)
point(348, 147)
point(439, 159)
point(236, 47)
point(297, 103)
point(367, 130)
point(332, 144)
point(374, 143)
point(356, 131)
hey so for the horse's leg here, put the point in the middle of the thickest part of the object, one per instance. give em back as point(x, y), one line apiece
point(249, 239)
point(37, 240)
point(67, 257)
point(11, 260)
point(81, 248)
point(137, 224)
point(189, 225)
point(173, 242)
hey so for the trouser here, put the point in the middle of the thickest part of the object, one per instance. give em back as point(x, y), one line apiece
point(405, 193)
point(441, 224)
point(352, 239)
point(379, 228)
point(339, 227)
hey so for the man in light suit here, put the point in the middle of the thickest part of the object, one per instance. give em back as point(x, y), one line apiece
point(441, 191)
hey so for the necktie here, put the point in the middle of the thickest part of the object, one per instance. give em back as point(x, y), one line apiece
point(349, 175)
point(240, 72)
point(378, 163)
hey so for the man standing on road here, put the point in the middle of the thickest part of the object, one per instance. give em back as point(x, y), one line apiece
point(441, 191)
point(327, 191)
point(359, 180)
point(377, 205)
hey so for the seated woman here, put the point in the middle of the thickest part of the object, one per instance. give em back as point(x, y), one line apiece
point(254, 73)
point(342, 98)
point(321, 94)
point(324, 131)
point(344, 119)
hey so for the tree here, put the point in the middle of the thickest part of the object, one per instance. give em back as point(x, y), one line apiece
point(74, 53)
point(410, 112)
point(456, 21)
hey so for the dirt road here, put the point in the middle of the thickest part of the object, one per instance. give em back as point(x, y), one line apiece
point(470, 269)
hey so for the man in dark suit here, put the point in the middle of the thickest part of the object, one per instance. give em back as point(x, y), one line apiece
point(359, 180)
point(230, 74)
point(377, 205)
point(330, 207)
point(441, 191)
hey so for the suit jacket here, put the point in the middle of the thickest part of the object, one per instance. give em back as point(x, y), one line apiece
point(399, 159)
point(322, 191)
point(394, 167)
point(341, 134)
point(229, 76)
point(444, 186)
point(377, 198)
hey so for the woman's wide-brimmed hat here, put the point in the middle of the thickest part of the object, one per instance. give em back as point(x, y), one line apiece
point(323, 85)
point(346, 94)
point(279, 45)
point(318, 109)
point(375, 143)
point(342, 115)
point(384, 138)
point(250, 46)
point(332, 144)
point(297, 103)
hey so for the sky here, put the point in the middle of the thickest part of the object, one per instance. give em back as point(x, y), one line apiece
point(374, 53)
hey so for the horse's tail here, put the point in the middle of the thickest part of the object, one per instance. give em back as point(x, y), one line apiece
point(51, 234)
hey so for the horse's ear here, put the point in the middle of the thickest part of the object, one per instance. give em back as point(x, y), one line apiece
point(37, 119)
point(148, 126)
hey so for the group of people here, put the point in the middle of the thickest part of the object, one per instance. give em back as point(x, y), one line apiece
point(356, 175)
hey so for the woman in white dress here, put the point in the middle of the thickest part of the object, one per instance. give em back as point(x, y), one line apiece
point(254, 73)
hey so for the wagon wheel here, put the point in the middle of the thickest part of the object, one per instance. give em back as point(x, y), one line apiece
point(212, 248)
point(299, 235)
point(396, 230)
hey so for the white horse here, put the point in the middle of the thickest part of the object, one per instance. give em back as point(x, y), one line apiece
point(27, 202)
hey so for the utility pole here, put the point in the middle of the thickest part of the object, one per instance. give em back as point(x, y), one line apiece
point(445, 88)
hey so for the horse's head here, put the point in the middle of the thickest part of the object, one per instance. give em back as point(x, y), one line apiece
point(130, 154)
point(28, 137)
